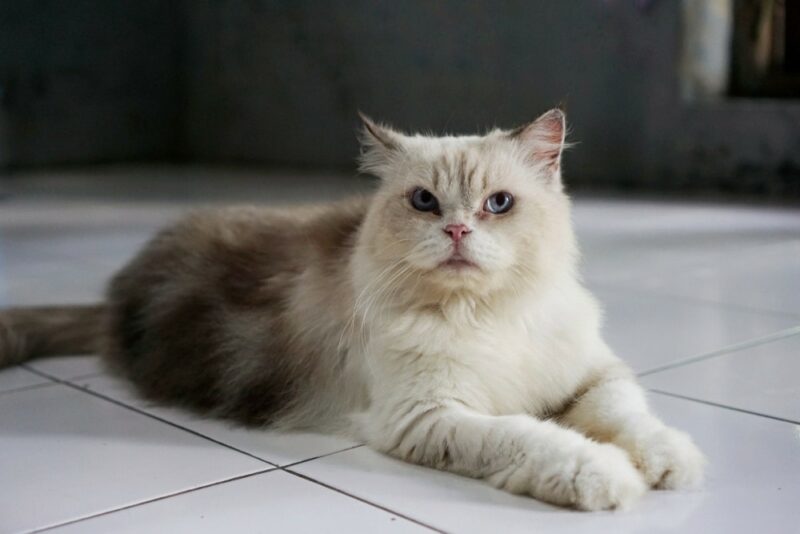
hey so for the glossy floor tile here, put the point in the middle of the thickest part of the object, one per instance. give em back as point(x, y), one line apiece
point(699, 297)
point(729, 279)
point(274, 447)
point(764, 379)
point(650, 331)
point(696, 251)
point(16, 378)
point(66, 454)
point(268, 502)
point(754, 467)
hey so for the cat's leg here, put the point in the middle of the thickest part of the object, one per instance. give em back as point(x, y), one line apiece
point(516, 453)
point(613, 408)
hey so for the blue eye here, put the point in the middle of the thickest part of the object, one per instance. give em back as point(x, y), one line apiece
point(423, 200)
point(499, 203)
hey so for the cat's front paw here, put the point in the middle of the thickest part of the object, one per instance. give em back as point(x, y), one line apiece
point(606, 479)
point(667, 458)
point(596, 477)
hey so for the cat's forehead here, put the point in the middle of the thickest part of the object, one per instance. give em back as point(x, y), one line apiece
point(466, 164)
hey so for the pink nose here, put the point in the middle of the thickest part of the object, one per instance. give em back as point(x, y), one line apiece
point(456, 231)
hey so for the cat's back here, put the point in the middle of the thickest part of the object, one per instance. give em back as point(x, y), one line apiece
point(206, 313)
point(234, 248)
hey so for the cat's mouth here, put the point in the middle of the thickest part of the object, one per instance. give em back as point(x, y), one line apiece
point(458, 262)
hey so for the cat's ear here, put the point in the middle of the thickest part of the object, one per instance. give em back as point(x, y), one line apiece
point(379, 146)
point(377, 134)
point(543, 141)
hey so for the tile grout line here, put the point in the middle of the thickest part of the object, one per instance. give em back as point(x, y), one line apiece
point(724, 406)
point(27, 388)
point(650, 293)
point(152, 416)
point(155, 499)
point(360, 499)
point(55, 379)
point(69, 382)
point(50, 380)
point(292, 464)
point(736, 347)
point(273, 467)
point(66, 382)
point(240, 477)
point(85, 376)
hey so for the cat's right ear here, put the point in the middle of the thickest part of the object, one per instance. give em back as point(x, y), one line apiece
point(543, 142)
point(379, 146)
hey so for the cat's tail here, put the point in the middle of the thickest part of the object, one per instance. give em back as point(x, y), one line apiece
point(27, 333)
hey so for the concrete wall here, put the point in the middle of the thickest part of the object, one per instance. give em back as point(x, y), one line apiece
point(85, 81)
point(279, 82)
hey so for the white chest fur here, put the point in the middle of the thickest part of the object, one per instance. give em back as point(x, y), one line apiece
point(530, 357)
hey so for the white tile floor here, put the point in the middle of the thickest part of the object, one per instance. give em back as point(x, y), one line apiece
point(703, 300)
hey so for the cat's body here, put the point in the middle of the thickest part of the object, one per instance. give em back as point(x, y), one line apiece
point(240, 312)
point(440, 320)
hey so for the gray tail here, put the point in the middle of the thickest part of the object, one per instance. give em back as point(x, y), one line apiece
point(27, 333)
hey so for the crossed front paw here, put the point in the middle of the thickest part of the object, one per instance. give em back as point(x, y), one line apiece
point(591, 477)
point(667, 458)
point(605, 479)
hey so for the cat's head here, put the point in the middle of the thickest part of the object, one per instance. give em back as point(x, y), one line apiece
point(473, 214)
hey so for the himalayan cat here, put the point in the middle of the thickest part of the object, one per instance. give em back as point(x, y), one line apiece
point(441, 321)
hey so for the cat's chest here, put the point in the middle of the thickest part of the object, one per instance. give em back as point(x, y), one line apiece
point(503, 365)
point(525, 367)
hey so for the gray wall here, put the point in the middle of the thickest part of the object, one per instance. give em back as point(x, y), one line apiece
point(86, 81)
point(279, 82)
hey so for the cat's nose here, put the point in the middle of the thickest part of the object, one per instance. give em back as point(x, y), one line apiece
point(456, 231)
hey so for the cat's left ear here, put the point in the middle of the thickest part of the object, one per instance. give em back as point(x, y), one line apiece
point(379, 146)
point(543, 141)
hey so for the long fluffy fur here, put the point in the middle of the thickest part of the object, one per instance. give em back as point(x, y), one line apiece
point(345, 318)
point(27, 333)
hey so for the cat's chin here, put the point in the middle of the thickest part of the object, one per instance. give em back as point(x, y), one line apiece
point(459, 274)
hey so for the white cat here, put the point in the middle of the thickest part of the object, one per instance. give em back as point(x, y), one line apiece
point(442, 321)
point(494, 367)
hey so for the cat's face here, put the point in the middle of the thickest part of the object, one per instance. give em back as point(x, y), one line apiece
point(468, 213)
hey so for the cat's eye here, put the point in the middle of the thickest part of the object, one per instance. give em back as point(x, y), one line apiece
point(423, 200)
point(499, 203)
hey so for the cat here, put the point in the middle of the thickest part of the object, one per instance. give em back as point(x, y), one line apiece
point(441, 320)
